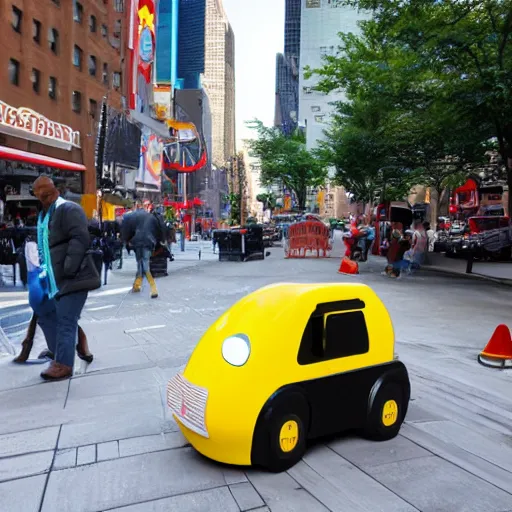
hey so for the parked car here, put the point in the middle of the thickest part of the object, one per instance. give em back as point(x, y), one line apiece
point(486, 236)
point(286, 364)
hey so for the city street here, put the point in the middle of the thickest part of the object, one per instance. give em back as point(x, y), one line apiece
point(105, 439)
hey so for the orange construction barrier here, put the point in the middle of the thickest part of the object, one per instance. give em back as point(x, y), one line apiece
point(309, 236)
point(498, 352)
point(348, 266)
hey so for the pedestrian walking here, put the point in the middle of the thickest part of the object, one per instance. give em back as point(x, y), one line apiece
point(143, 231)
point(370, 238)
point(68, 274)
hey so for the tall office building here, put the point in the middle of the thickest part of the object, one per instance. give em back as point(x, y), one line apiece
point(287, 71)
point(219, 80)
point(321, 22)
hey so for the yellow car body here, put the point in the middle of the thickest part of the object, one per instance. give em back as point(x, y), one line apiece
point(228, 399)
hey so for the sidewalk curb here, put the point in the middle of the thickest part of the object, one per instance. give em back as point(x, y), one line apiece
point(474, 275)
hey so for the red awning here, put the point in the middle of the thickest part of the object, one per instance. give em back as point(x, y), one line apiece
point(34, 158)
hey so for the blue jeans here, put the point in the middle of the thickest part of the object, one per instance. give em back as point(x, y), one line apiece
point(142, 256)
point(59, 321)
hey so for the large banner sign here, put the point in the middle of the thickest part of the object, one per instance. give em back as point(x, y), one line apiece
point(150, 168)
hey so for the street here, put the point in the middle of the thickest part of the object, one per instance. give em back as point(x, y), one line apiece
point(105, 439)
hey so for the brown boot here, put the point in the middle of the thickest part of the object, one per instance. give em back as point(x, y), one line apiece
point(26, 347)
point(137, 285)
point(57, 371)
point(82, 347)
point(152, 284)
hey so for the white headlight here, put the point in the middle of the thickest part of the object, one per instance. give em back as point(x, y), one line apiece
point(236, 349)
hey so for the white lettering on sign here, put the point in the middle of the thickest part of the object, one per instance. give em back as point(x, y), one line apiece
point(27, 120)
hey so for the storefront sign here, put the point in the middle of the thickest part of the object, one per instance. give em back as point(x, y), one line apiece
point(27, 124)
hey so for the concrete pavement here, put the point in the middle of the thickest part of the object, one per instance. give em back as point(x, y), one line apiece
point(106, 441)
point(495, 271)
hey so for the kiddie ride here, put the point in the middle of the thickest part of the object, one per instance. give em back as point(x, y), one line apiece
point(286, 364)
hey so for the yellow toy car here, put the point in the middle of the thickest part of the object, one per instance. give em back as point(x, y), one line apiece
point(288, 363)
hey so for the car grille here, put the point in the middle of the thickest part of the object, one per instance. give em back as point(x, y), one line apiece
point(188, 403)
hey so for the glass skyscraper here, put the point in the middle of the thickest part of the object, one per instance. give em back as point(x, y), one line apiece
point(287, 71)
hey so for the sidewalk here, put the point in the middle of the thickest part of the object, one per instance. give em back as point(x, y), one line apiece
point(105, 441)
point(494, 271)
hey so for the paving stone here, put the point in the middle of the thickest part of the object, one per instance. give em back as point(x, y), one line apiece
point(246, 496)
point(107, 451)
point(364, 453)
point(25, 465)
point(282, 493)
point(65, 459)
point(23, 495)
point(341, 487)
point(147, 444)
point(33, 407)
point(496, 450)
point(112, 384)
point(213, 500)
point(28, 441)
point(433, 485)
point(233, 476)
point(461, 458)
point(86, 455)
point(101, 419)
point(122, 482)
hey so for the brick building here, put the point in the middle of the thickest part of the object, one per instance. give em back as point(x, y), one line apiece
point(59, 59)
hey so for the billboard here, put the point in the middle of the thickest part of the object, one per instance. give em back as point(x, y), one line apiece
point(150, 166)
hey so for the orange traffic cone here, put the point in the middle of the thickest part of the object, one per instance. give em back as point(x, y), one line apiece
point(498, 352)
point(348, 266)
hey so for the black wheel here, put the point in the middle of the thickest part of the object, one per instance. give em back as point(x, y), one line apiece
point(386, 414)
point(280, 437)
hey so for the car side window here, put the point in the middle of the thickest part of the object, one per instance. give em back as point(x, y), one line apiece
point(333, 332)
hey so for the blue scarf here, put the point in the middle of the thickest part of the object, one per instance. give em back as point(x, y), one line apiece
point(43, 237)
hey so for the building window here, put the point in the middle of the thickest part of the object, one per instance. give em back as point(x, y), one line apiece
point(119, 5)
point(117, 29)
point(315, 108)
point(104, 30)
point(76, 101)
point(92, 23)
point(307, 90)
point(334, 335)
point(116, 79)
point(52, 88)
point(36, 31)
point(56, 2)
point(78, 11)
point(77, 57)
point(323, 51)
point(319, 119)
point(93, 109)
point(53, 40)
point(17, 16)
point(14, 72)
point(92, 65)
point(36, 80)
point(104, 76)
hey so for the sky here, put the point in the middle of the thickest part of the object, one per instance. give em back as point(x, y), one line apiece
point(259, 34)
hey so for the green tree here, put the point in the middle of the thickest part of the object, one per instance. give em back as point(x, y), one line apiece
point(286, 159)
point(456, 53)
point(268, 199)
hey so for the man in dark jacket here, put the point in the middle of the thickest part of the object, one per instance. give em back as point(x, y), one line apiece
point(63, 240)
point(143, 230)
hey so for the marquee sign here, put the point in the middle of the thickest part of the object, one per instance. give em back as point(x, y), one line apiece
point(27, 124)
